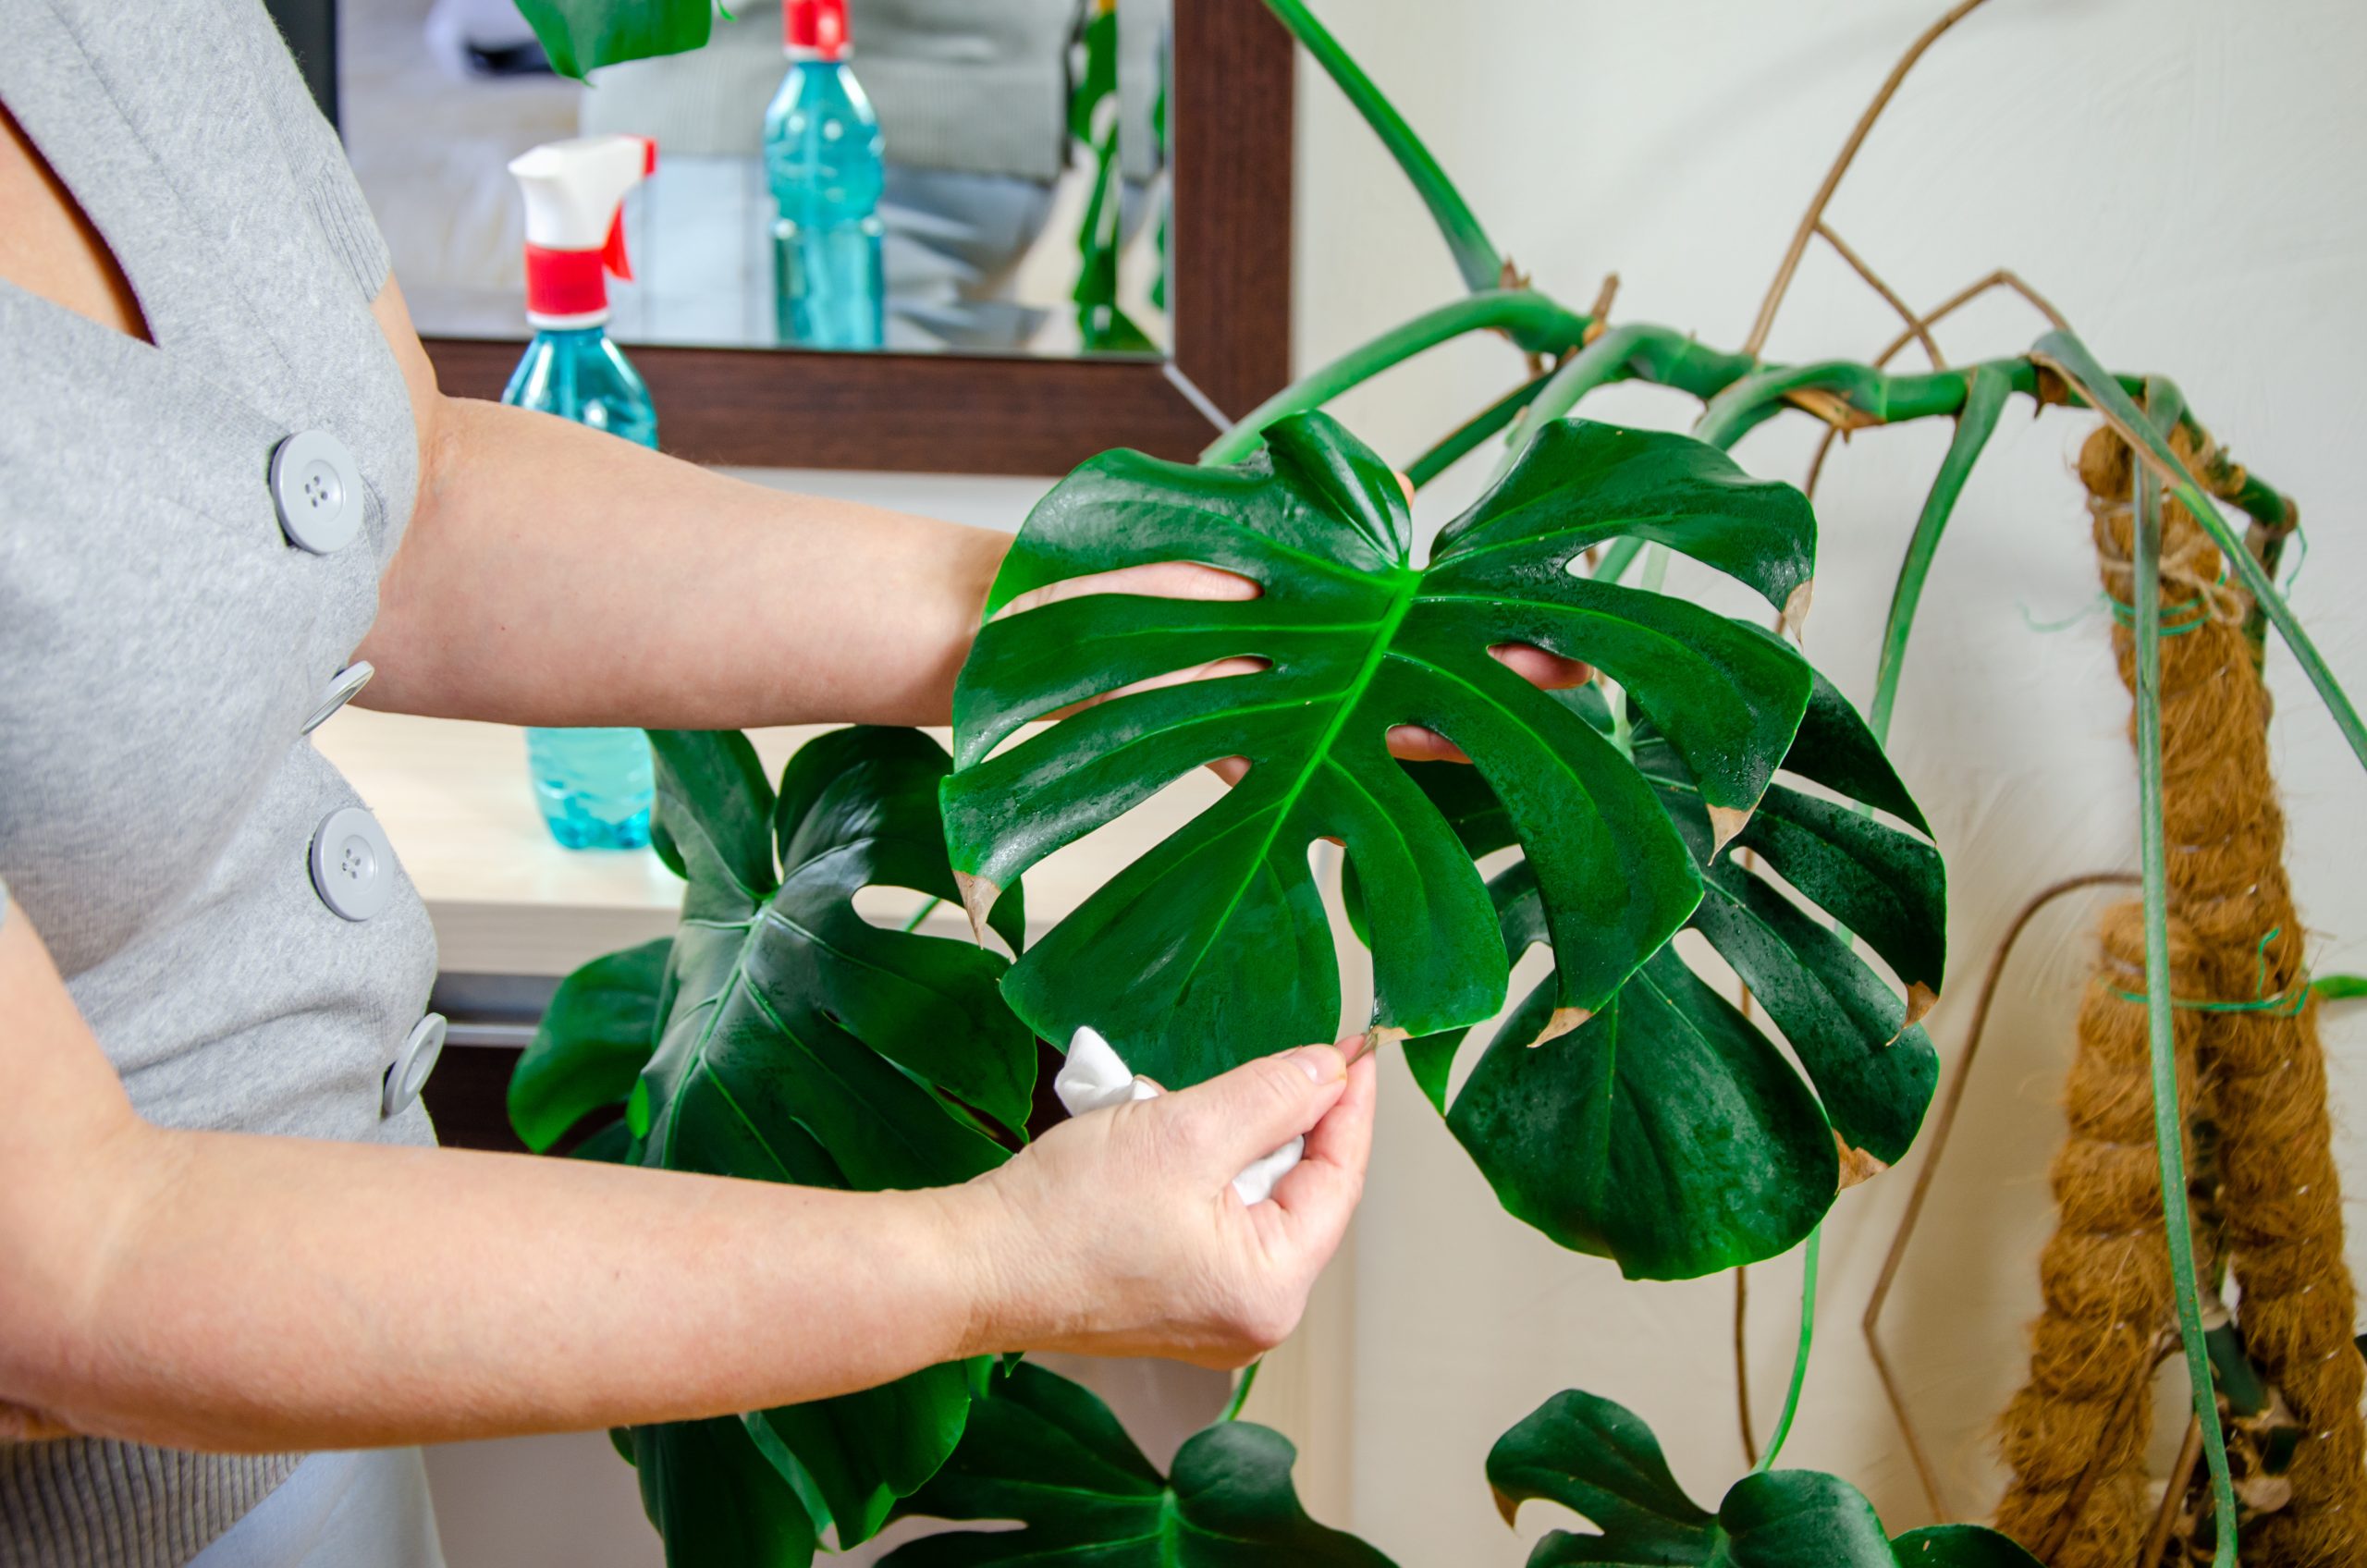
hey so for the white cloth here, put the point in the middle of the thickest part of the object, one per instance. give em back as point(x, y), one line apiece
point(351, 1510)
point(1095, 1076)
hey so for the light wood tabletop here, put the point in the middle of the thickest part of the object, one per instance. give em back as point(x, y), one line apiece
point(507, 900)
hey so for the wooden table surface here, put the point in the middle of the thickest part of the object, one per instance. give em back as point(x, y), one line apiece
point(506, 898)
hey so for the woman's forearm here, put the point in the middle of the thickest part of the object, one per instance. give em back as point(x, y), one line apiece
point(236, 1292)
point(265, 1294)
point(554, 574)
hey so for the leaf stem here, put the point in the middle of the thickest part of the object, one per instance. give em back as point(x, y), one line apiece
point(2169, 1125)
point(1241, 1390)
point(1521, 311)
point(1984, 399)
point(1468, 436)
point(922, 913)
point(1617, 556)
point(1800, 1357)
point(1475, 257)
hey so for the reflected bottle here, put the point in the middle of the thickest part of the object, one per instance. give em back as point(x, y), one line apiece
point(822, 160)
point(595, 787)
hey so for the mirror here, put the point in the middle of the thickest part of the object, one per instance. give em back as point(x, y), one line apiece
point(1024, 193)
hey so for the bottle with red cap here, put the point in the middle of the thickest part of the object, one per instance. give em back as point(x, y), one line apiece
point(822, 159)
point(596, 787)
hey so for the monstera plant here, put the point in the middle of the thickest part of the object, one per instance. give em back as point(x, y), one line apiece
point(1710, 811)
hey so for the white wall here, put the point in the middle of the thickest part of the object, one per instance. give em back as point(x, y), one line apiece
point(2182, 178)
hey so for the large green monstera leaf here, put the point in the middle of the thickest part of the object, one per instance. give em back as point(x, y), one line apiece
point(1669, 1131)
point(783, 1038)
point(1602, 1460)
point(1213, 948)
point(1046, 1452)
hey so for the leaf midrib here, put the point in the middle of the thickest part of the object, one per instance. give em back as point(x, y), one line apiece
point(1351, 696)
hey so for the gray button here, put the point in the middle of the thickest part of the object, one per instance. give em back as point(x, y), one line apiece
point(317, 489)
point(413, 1064)
point(353, 866)
point(337, 692)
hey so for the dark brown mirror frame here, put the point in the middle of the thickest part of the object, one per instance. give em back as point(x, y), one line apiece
point(1228, 291)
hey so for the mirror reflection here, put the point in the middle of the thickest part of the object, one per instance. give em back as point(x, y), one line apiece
point(978, 176)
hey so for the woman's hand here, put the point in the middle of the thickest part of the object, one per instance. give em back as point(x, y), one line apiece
point(1119, 1232)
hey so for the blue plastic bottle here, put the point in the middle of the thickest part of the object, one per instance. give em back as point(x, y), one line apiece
point(596, 787)
point(822, 159)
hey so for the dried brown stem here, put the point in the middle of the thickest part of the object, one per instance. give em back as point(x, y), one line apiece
point(2157, 1540)
point(1815, 215)
point(1915, 328)
point(2004, 277)
point(1950, 1102)
point(1598, 313)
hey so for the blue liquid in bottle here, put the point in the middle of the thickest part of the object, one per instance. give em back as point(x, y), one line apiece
point(822, 159)
point(596, 787)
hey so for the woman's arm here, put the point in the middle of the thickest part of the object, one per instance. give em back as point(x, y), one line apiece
point(227, 1292)
point(555, 574)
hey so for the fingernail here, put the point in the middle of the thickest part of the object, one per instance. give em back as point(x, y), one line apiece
point(1318, 1062)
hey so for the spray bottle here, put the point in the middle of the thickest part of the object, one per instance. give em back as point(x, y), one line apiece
point(595, 785)
point(823, 158)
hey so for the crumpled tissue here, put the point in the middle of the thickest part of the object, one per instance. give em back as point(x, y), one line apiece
point(1095, 1076)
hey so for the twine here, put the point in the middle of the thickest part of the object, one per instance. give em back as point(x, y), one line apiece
point(2269, 1186)
point(2286, 1003)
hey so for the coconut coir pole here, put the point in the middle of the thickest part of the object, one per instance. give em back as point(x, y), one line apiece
point(2245, 1015)
point(2265, 1091)
point(2075, 1435)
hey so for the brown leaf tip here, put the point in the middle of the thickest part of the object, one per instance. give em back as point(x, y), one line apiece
point(1920, 1000)
point(979, 897)
point(1565, 1018)
point(1381, 1034)
point(1796, 608)
point(1726, 824)
point(1856, 1165)
point(1506, 1505)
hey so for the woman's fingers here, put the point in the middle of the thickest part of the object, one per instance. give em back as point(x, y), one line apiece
point(1540, 669)
point(1154, 580)
point(1409, 743)
point(1317, 1197)
point(1256, 1107)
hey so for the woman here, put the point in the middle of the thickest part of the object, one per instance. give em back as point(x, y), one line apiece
point(227, 478)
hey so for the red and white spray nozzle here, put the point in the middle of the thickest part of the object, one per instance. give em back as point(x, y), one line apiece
point(815, 29)
point(575, 234)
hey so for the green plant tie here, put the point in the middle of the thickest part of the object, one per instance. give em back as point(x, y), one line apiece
point(2049, 628)
point(2284, 1004)
point(2199, 607)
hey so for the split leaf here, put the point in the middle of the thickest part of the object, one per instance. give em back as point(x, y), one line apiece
point(1600, 1460)
point(1045, 1452)
point(1213, 948)
point(796, 1041)
point(592, 1042)
point(1670, 1132)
